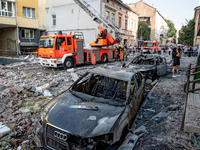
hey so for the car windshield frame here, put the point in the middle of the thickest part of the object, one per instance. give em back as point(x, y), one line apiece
point(47, 42)
point(94, 98)
point(149, 44)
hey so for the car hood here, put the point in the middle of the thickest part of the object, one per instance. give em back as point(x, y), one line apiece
point(85, 119)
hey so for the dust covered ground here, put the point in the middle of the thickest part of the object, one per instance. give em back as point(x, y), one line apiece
point(26, 87)
point(164, 133)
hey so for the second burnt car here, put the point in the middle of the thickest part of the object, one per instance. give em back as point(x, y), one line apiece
point(94, 114)
point(152, 66)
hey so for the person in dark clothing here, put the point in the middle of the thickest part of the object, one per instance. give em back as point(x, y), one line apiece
point(176, 62)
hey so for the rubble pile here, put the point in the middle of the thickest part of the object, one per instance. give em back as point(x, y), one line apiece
point(25, 88)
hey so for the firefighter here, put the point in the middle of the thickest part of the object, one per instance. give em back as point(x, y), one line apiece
point(119, 49)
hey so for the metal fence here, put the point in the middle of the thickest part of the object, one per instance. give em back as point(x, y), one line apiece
point(193, 77)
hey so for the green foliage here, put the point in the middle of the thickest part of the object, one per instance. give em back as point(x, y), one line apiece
point(145, 30)
point(186, 34)
point(172, 30)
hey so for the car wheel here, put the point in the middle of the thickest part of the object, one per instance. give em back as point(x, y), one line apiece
point(68, 63)
point(104, 58)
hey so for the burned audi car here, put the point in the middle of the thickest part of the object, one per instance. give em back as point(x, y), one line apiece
point(152, 66)
point(95, 113)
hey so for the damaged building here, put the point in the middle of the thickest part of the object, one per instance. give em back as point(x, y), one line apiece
point(21, 24)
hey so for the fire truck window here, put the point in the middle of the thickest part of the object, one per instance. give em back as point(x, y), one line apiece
point(69, 41)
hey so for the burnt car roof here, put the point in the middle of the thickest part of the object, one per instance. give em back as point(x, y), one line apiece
point(124, 74)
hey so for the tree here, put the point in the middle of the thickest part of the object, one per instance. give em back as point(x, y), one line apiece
point(145, 30)
point(186, 34)
point(172, 30)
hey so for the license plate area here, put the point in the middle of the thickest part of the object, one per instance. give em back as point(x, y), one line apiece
point(56, 145)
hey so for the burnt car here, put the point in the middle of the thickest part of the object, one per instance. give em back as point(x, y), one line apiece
point(152, 66)
point(95, 113)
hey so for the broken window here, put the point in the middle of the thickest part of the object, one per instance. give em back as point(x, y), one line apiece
point(138, 79)
point(102, 87)
point(7, 9)
point(132, 89)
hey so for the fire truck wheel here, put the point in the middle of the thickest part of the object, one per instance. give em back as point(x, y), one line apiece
point(68, 63)
point(104, 58)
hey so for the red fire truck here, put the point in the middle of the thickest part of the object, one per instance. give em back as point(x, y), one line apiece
point(67, 51)
point(153, 45)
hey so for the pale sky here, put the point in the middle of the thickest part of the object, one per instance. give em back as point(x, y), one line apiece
point(175, 10)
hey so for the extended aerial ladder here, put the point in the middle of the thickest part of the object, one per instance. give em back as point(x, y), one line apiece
point(110, 35)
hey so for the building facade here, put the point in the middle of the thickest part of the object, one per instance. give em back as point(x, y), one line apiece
point(197, 26)
point(154, 19)
point(21, 22)
point(67, 16)
point(8, 27)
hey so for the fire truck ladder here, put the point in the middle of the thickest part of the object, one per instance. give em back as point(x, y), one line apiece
point(97, 17)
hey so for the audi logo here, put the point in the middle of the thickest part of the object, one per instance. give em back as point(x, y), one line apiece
point(61, 136)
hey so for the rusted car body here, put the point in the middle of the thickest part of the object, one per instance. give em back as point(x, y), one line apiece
point(152, 66)
point(94, 114)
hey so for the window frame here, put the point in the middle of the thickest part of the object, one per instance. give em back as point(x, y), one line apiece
point(5, 11)
point(108, 15)
point(25, 14)
point(29, 33)
point(53, 19)
point(113, 19)
point(120, 22)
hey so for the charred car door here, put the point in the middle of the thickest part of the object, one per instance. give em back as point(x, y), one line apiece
point(136, 94)
point(161, 66)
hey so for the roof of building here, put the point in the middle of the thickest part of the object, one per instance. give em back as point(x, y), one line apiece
point(197, 7)
point(119, 1)
point(151, 7)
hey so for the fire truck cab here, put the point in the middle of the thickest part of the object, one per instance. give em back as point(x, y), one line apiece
point(153, 45)
point(67, 51)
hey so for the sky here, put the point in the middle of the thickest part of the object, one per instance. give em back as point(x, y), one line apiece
point(175, 10)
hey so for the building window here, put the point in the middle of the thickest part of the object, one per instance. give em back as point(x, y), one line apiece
point(120, 22)
point(113, 19)
point(126, 25)
point(131, 25)
point(29, 12)
point(107, 15)
point(27, 34)
point(54, 20)
point(7, 9)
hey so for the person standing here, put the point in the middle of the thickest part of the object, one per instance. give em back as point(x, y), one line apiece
point(159, 50)
point(195, 50)
point(130, 49)
point(134, 49)
point(176, 62)
point(141, 50)
point(125, 52)
point(169, 50)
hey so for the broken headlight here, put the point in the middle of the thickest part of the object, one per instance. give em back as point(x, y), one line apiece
point(106, 139)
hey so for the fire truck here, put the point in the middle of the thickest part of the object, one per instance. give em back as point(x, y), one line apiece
point(67, 51)
point(152, 44)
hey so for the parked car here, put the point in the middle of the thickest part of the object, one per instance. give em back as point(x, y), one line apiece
point(95, 113)
point(152, 66)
